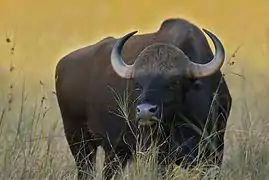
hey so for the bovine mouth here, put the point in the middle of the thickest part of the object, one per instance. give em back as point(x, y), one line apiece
point(148, 122)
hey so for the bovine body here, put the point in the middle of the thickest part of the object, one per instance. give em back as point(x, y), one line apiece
point(86, 85)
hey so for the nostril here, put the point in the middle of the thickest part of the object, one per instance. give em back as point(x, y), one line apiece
point(146, 110)
point(153, 109)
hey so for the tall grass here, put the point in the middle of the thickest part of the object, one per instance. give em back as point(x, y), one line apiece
point(33, 146)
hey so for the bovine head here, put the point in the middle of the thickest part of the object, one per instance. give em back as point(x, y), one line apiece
point(162, 74)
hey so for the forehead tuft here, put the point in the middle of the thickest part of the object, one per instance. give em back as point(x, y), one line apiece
point(159, 59)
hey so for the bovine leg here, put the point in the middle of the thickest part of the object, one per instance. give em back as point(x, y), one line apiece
point(223, 107)
point(81, 146)
point(224, 103)
point(186, 146)
point(113, 164)
point(221, 126)
point(165, 162)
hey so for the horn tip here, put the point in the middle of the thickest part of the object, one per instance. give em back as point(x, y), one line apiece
point(134, 32)
point(127, 36)
point(206, 31)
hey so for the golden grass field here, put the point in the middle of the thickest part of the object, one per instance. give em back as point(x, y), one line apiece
point(34, 35)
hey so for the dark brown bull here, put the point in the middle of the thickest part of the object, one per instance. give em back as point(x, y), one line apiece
point(172, 78)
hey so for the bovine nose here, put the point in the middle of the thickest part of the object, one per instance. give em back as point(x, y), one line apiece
point(146, 111)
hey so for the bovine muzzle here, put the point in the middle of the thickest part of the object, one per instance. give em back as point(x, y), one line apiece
point(147, 114)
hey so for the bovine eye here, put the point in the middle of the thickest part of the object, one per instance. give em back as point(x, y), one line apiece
point(138, 87)
point(173, 85)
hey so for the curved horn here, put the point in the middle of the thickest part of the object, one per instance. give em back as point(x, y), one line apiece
point(120, 67)
point(202, 70)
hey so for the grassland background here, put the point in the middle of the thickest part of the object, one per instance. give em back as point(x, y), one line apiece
point(43, 31)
